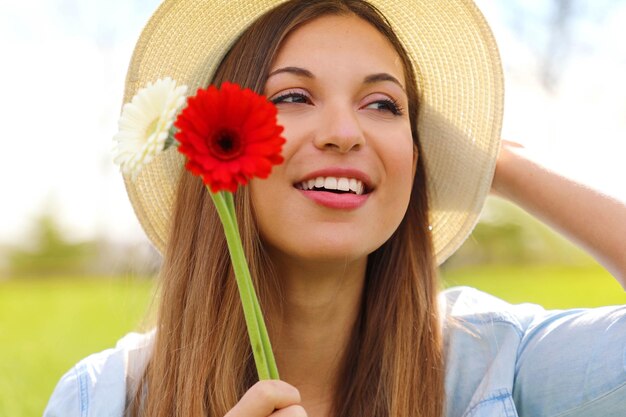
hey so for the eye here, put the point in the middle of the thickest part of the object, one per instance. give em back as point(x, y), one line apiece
point(386, 105)
point(291, 97)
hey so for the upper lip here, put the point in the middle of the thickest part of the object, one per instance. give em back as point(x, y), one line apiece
point(340, 172)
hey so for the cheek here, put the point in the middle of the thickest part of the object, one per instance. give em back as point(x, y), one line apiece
point(268, 202)
point(399, 165)
point(400, 161)
point(402, 177)
point(295, 129)
point(260, 192)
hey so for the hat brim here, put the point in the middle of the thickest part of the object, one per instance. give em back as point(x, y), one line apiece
point(459, 77)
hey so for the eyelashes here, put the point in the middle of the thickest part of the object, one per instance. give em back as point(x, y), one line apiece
point(291, 97)
point(387, 105)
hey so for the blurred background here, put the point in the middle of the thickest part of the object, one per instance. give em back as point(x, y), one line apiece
point(76, 272)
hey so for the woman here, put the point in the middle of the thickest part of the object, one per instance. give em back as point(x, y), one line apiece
point(347, 280)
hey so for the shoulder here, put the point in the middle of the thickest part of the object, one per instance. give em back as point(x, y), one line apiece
point(523, 357)
point(97, 385)
point(482, 335)
point(471, 306)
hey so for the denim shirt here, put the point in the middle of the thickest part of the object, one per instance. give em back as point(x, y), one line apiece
point(502, 360)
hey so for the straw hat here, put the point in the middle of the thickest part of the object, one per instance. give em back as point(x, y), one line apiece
point(459, 77)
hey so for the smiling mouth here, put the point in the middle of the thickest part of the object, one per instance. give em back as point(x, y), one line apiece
point(337, 185)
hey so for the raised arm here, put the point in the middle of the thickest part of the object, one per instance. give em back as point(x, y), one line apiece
point(587, 217)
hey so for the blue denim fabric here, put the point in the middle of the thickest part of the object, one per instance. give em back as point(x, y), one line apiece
point(502, 360)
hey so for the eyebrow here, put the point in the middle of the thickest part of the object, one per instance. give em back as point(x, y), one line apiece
point(382, 76)
point(370, 79)
point(293, 70)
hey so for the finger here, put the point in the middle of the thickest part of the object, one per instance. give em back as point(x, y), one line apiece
point(264, 397)
point(291, 411)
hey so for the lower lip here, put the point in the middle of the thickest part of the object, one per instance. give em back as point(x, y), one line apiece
point(346, 201)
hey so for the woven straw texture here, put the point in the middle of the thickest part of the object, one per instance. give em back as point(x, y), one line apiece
point(459, 77)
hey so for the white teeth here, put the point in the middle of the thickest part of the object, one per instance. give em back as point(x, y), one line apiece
point(343, 184)
point(330, 183)
point(354, 185)
point(333, 183)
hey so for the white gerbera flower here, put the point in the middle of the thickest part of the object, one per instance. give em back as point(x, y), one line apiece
point(145, 124)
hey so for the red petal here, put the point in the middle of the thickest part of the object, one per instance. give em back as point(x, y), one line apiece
point(251, 116)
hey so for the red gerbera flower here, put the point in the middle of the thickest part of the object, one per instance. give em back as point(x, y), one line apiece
point(229, 136)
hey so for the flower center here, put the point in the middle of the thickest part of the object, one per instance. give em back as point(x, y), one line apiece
point(226, 144)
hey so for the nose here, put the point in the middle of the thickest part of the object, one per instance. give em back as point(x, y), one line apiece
point(339, 130)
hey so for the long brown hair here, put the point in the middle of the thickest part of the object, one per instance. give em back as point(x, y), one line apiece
point(202, 364)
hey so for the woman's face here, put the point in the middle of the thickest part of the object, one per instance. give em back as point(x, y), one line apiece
point(345, 184)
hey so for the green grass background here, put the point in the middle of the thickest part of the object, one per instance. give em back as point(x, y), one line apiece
point(47, 325)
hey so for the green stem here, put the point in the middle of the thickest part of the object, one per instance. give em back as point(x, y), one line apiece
point(259, 339)
point(265, 340)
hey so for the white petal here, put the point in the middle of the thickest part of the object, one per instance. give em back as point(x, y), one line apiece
point(153, 108)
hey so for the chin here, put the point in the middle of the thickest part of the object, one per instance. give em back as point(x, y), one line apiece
point(328, 251)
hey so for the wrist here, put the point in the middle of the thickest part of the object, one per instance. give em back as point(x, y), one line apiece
point(507, 171)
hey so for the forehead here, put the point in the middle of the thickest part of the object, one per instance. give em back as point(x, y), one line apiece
point(344, 43)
